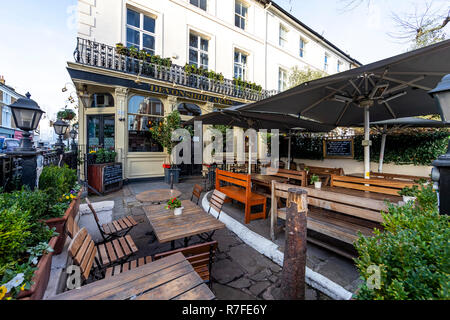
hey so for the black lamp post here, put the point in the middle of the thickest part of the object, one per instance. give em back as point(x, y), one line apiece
point(27, 114)
point(60, 129)
point(73, 135)
point(441, 167)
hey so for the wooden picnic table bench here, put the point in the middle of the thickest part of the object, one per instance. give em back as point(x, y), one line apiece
point(169, 278)
point(333, 214)
point(323, 173)
point(239, 188)
point(392, 176)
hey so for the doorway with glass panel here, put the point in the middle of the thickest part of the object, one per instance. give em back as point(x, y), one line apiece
point(101, 132)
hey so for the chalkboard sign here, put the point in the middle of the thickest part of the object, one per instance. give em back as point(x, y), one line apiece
point(342, 148)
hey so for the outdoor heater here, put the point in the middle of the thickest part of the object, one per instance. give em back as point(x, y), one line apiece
point(441, 167)
point(27, 114)
point(60, 129)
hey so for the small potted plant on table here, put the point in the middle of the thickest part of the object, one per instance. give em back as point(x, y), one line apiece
point(409, 194)
point(316, 181)
point(175, 205)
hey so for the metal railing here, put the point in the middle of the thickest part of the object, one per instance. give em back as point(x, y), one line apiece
point(100, 55)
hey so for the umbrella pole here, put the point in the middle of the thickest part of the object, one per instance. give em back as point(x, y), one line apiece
point(383, 147)
point(289, 153)
point(366, 143)
point(249, 156)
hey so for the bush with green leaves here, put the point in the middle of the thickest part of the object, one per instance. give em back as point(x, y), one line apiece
point(412, 253)
point(56, 181)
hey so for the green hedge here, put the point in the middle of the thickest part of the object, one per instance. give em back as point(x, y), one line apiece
point(418, 149)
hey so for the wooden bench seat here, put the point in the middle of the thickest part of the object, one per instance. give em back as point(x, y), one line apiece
point(399, 177)
point(239, 187)
point(294, 176)
point(334, 215)
point(384, 186)
point(129, 265)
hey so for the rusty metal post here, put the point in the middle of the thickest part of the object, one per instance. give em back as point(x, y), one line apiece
point(294, 265)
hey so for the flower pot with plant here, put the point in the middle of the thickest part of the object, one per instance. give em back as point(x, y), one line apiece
point(175, 205)
point(409, 194)
point(316, 181)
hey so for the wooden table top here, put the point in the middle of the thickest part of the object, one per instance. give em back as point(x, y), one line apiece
point(170, 278)
point(267, 179)
point(158, 195)
point(361, 193)
point(169, 227)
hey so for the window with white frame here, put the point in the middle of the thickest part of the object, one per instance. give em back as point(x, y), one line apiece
point(282, 79)
point(198, 51)
point(302, 47)
point(140, 31)
point(240, 65)
point(240, 14)
point(283, 36)
point(199, 3)
point(326, 62)
point(339, 66)
point(6, 117)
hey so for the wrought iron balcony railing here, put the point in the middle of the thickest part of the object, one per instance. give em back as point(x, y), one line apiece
point(100, 55)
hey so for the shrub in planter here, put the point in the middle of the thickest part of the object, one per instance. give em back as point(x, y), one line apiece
point(57, 181)
point(412, 254)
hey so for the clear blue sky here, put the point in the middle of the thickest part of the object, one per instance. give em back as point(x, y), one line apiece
point(38, 38)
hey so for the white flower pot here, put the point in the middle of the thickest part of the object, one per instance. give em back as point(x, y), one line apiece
point(407, 199)
point(318, 184)
point(178, 211)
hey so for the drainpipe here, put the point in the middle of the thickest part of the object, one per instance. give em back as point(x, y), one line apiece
point(265, 44)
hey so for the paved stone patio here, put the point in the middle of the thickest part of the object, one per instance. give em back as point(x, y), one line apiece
point(239, 272)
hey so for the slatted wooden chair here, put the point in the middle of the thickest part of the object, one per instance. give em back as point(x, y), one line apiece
point(201, 257)
point(217, 200)
point(109, 252)
point(115, 229)
point(196, 193)
point(129, 265)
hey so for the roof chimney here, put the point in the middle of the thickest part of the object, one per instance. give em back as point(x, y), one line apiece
point(2, 80)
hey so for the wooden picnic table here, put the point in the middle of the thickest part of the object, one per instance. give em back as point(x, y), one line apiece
point(170, 278)
point(158, 195)
point(193, 221)
point(266, 180)
point(360, 193)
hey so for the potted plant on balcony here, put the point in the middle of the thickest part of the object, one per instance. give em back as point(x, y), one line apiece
point(161, 132)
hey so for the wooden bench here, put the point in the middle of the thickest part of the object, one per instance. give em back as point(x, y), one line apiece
point(200, 256)
point(384, 186)
point(400, 177)
point(332, 214)
point(240, 189)
point(295, 175)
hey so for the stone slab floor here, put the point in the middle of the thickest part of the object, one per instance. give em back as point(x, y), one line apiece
point(239, 272)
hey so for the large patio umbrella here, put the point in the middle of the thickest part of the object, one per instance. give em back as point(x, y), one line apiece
point(388, 89)
point(388, 126)
point(235, 117)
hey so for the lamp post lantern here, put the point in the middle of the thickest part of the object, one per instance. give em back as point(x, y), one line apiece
point(73, 136)
point(27, 114)
point(60, 129)
point(441, 167)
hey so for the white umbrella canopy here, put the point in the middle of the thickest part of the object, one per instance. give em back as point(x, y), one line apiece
point(388, 89)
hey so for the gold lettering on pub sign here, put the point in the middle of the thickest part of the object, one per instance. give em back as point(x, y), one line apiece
point(189, 95)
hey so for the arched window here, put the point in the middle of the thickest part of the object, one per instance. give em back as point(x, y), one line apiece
point(143, 113)
point(189, 109)
point(102, 100)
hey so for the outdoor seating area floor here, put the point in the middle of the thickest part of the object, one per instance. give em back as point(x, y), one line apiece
point(239, 272)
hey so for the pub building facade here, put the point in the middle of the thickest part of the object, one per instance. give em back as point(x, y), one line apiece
point(121, 93)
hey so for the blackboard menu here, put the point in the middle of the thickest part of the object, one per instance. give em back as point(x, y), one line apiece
point(342, 148)
point(112, 174)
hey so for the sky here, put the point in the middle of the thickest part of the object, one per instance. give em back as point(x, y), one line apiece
point(39, 37)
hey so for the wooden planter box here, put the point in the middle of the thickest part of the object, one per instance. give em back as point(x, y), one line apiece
point(60, 223)
point(106, 177)
point(41, 276)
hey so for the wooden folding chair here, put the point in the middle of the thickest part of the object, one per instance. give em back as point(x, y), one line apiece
point(217, 200)
point(196, 193)
point(115, 229)
point(201, 257)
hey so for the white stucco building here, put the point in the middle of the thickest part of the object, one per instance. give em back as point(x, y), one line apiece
point(256, 41)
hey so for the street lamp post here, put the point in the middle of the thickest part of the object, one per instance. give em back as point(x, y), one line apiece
point(60, 129)
point(441, 167)
point(27, 114)
point(73, 136)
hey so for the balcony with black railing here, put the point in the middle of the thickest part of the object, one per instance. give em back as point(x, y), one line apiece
point(100, 55)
